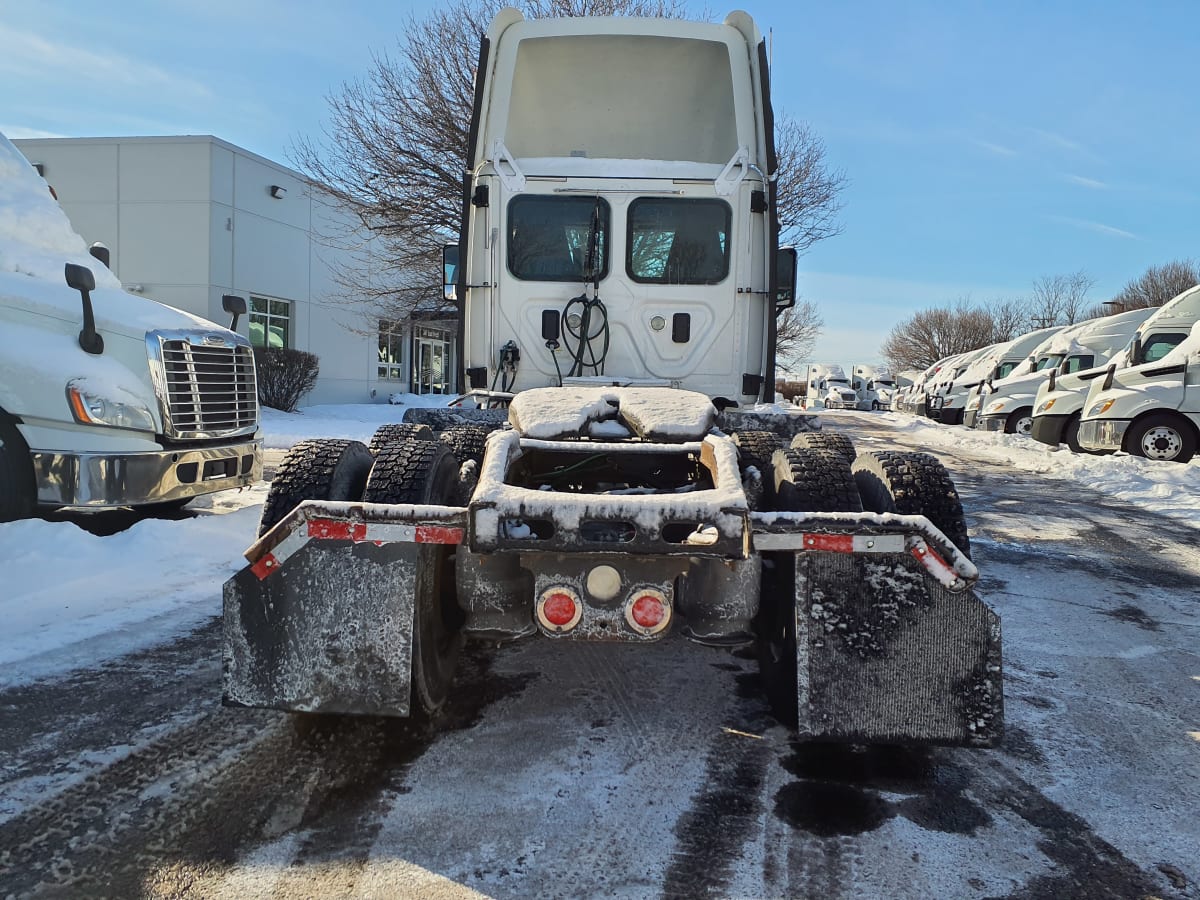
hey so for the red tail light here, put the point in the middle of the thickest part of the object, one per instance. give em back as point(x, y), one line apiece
point(559, 609)
point(648, 611)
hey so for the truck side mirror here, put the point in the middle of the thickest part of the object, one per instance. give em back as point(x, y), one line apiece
point(234, 305)
point(101, 253)
point(80, 278)
point(785, 278)
point(450, 272)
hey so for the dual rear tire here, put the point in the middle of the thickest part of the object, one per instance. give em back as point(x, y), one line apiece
point(404, 469)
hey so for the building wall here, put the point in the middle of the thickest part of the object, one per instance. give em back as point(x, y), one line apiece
point(191, 218)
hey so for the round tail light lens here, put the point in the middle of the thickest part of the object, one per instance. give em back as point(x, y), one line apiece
point(648, 611)
point(559, 609)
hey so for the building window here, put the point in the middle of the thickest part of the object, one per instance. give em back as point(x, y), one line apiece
point(270, 322)
point(391, 350)
point(432, 361)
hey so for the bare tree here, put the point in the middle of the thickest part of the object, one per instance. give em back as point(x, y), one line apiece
point(1157, 285)
point(1059, 299)
point(393, 152)
point(933, 334)
point(1010, 318)
point(797, 330)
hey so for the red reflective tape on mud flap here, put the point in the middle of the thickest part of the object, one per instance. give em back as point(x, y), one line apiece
point(438, 534)
point(265, 566)
point(334, 530)
point(834, 543)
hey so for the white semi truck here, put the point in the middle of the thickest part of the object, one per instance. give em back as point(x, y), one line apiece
point(619, 283)
point(1013, 399)
point(874, 386)
point(829, 388)
point(1146, 403)
point(107, 399)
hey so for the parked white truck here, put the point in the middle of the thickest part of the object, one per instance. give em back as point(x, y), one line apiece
point(829, 388)
point(620, 229)
point(874, 386)
point(1021, 356)
point(106, 399)
point(1146, 403)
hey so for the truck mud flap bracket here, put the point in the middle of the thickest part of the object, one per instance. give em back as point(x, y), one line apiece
point(322, 618)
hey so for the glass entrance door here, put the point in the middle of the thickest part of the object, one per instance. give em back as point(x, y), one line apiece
point(431, 356)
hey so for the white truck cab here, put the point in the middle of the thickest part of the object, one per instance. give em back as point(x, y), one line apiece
point(107, 399)
point(1059, 399)
point(947, 400)
point(1021, 356)
point(874, 385)
point(643, 255)
point(1148, 401)
point(829, 388)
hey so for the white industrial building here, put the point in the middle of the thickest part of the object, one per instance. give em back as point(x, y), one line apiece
point(190, 218)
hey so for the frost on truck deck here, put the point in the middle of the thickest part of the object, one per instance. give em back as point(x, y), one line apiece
point(666, 414)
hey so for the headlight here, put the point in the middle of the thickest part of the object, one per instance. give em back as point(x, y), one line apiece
point(1100, 408)
point(91, 408)
point(1045, 406)
point(998, 406)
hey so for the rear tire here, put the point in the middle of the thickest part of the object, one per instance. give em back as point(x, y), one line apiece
point(394, 432)
point(425, 473)
point(1161, 437)
point(466, 442)
point(825, 440)
point(17, 494)
point(814, 480)
point(914, 484)
point(316, 469)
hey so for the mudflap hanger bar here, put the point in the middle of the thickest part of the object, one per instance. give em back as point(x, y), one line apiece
point(322, 618)
point(891, 643)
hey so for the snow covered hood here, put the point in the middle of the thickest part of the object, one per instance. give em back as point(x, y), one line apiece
point(36, 243)
point(652, 413)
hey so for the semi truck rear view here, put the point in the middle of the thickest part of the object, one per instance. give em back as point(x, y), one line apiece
point(619, 276)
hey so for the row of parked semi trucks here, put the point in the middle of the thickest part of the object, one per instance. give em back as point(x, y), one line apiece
point(1128, 381)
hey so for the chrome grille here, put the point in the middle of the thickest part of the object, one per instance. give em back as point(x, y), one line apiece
point(209, 391)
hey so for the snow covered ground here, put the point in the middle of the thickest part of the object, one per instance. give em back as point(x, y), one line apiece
point(71, 598)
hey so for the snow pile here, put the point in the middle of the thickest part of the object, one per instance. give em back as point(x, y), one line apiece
point(35, 236)
point(65, 590)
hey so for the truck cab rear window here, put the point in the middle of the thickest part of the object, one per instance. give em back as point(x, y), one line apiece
point(678, 241)
point(558, 238)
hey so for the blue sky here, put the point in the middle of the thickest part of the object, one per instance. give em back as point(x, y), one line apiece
point(986, 144)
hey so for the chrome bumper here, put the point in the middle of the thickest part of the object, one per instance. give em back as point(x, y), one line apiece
point(992, 423)
point(133, 479)
point(1103, 434)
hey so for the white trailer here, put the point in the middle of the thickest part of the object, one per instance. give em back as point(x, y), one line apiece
point(107, 399)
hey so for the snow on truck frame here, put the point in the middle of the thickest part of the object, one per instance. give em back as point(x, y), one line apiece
point(618, 287)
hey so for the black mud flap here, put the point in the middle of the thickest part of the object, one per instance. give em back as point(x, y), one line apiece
point(892, 645)
point(322, 619)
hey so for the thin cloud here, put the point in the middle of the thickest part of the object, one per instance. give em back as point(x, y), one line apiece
point(1086, 182)
point(27, 52)
point(1098, 227)
point(1059, 142)
point(20, 132)
point(997, 149)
